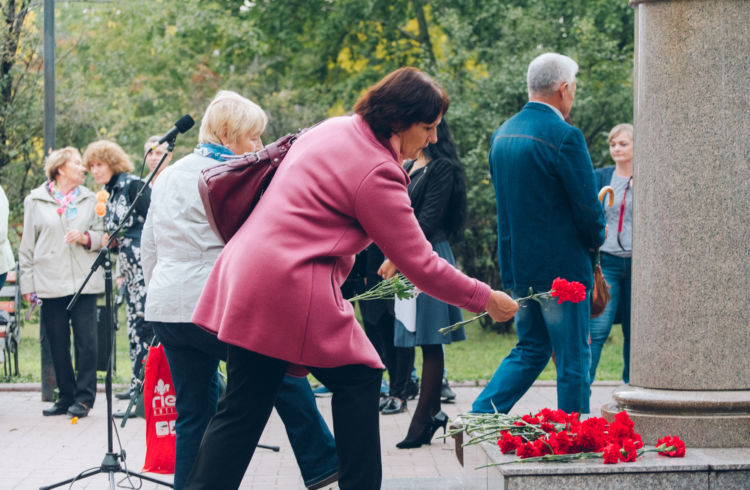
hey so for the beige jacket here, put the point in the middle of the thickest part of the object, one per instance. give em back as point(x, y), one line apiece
point(6, 253)
point(49, 266)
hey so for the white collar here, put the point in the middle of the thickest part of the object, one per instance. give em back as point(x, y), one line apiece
point(557, 111)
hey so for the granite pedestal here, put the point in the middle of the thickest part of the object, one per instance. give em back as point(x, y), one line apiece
point(690, 363)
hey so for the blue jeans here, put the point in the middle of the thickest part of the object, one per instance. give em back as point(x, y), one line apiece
point(616, 271)
point(542, 328)
point(193, 355)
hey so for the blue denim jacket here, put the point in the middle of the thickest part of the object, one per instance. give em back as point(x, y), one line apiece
point(548, 214)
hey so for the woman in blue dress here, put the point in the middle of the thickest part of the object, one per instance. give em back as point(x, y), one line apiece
point(438, 195)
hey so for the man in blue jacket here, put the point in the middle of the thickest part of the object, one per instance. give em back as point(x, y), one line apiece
point(549, 221)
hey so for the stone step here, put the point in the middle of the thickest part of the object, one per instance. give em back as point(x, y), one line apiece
point(699, 469)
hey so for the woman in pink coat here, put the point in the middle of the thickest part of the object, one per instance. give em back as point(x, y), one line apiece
point(274, 294)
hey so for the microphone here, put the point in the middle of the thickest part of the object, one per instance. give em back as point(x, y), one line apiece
point(183, 124)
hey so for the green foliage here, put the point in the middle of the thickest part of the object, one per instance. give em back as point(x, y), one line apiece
point(126, 70)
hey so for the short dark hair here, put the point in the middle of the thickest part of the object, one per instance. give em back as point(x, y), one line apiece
point(402, 98)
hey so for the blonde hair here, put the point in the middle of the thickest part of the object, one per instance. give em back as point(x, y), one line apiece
point(57, 159)
point(230, 116)
point(109, 153)
point(620, 128)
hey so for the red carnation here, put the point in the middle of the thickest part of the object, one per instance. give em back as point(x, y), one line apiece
point(611, 454)
point(560, 442)
point(526, 450)
point(671, 446)
point(591, 437)
point(565, 290)
point(624, 419)
point(560, 417)
point(618, 432)
point(547, 427)
point(542, 447)
point(508, 442)
point(629, 451)
point(637, 440)
point(544, 414)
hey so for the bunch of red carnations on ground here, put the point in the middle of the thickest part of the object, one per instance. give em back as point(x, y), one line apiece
point(554, 435)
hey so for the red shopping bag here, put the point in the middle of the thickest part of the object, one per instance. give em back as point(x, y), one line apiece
point(159, 402)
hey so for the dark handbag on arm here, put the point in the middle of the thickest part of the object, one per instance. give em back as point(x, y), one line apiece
point(600, 293)
point(230, 190)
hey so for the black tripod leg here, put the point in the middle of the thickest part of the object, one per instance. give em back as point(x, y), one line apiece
point(146, 477)
point(81, 476)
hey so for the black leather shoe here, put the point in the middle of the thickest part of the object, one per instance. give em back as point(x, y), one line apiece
point(447, 395)
point(411, 390)
point(57, 409)
point(125, 395)
point(121, 414)
point(79, 410)
point(394, 405)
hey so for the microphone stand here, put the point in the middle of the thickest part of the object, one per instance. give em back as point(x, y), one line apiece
point(111, 462)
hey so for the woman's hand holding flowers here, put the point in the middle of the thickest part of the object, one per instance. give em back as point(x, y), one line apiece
point(75, 236)
point(387, 269)
point(501, 307)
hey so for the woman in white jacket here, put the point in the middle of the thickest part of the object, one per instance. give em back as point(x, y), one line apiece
point(61, 234)
point(178, 250)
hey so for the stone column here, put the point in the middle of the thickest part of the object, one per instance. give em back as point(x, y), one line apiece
point(690, 346)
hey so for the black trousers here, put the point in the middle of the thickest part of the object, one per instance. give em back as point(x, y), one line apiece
point(252, 386)
point(56, 320)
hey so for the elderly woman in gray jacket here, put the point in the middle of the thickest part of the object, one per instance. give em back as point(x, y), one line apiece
point(178, 250)
point(61, 235)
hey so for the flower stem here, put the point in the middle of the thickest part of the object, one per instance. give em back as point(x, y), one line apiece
point(456, 326)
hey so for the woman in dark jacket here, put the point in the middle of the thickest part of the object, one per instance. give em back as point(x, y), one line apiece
point(438, 195)
point(110, 167)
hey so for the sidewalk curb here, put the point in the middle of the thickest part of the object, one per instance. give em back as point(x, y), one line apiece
point(22, 387)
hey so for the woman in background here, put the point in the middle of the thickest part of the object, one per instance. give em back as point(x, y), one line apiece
point(154, 157)
point(111, 167)
point(6, 252)
point(437, 190)
point(617, 251)
point(61, 236)
point(179, 250)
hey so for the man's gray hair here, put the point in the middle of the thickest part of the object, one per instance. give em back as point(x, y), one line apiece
point(548, 71)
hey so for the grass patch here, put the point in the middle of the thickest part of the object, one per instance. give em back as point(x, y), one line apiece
point(480, 354)
point(29, 354)
point(475, 359)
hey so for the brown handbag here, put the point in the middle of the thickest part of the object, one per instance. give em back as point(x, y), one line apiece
point(600, 293)
point(231, 190)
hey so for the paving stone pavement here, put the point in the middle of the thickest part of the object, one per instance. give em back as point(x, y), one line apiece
point(37, 451)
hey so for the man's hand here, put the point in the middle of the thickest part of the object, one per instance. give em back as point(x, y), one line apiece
point(501, 307)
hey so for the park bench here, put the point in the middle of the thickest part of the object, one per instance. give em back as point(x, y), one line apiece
point(10, 323)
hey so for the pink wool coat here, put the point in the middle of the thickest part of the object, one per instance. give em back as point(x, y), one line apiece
point(275, 288)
